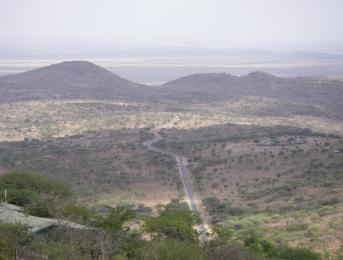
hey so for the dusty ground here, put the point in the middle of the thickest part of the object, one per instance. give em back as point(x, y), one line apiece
point(110, 166)
point(243, 164)
point(286, 181)
point(61, 118)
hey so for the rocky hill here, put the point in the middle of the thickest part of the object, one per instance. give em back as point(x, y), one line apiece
point(66, 80)
point(284, 95)
point(84, 80)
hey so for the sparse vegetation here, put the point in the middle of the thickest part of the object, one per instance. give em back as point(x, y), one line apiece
point(39, 195)
point(268, 168)
point(264, 185)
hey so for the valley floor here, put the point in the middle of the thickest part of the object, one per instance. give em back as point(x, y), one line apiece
point(281, 176)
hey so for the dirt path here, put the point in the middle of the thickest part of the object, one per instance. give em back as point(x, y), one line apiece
point(186, 179)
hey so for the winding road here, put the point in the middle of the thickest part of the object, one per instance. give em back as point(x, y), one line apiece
point(185, 178)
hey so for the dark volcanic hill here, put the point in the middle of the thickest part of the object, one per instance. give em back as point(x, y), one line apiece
point(70, 79)
point(298, 95)
point(84, 80)
point(223, 85)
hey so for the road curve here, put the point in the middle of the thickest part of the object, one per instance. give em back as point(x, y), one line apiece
point(185, 178)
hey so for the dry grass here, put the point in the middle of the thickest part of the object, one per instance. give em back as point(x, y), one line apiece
point(48, 119)
point(254, 171)
point(253, 163)
point(109, 166)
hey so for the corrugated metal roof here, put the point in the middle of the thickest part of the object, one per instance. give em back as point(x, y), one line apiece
point(11, 206)
point(10, 215)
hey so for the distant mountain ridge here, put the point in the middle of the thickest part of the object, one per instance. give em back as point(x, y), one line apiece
point(72, 79)
point(84, 80)
point(323, 95)
point(223, 85)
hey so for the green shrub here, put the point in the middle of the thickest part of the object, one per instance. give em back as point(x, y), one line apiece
point(220, 210)
point(296, 227)
point(171, 250)
point(232, 251)
point(326, 210)
point(116, 218)
point(296, 253)
point(21, 180)
point(331, 202)
point(266, 248)
point(173, 223)
point(39, 195)
point(40, 207)
point(21, 197)
point(56, 250)
point(258, 244)
point(79, 213)
point(11, 237)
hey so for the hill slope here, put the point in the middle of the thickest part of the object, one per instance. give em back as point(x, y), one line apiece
point(284, 95)
point(223, 85)
point(72, 79)
point(84, 80)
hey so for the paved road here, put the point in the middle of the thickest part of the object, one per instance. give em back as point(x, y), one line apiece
point(185, 178)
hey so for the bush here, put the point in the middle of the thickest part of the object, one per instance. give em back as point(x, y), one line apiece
point(297, 227)
point(40, 207)
point(296, 253)
point(330, 202)
point(21, 197)
point(116, 218)
point(258, 244)
point(56, 250)
point(173, 223)
point(264, 247)
point(11, 237)
point(171, 250)
point(220, 210)
point(79, 213)
point(21, 180)
point(229, 252)
point(326, 210)
point(39, 195)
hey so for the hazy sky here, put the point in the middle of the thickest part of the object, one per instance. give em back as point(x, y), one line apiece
point(251, 23)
